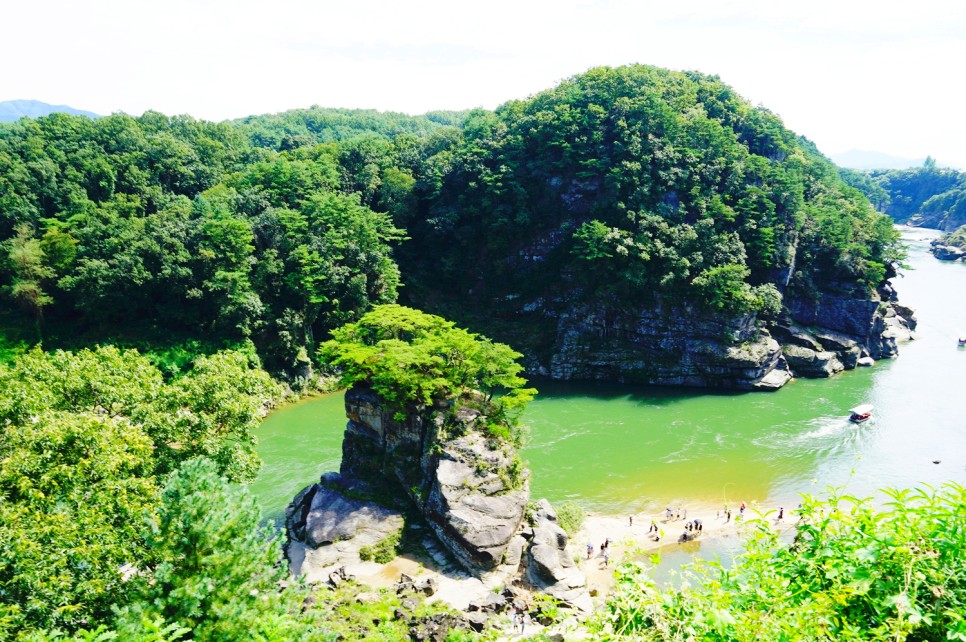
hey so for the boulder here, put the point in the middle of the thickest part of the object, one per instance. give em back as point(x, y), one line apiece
point(327, 528)
point(491, 603)
point(477, 621)
point(809, 363)
point(948, 252)
point(436, 627)
point(549, 567)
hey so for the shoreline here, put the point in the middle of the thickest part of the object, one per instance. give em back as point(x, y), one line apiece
point(634, 539)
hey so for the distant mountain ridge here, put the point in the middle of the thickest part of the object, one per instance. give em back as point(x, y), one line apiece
point(13, 110)
point(862, 159)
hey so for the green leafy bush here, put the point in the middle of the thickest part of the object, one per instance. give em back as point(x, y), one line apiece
point(570, 517)
point(382, 552)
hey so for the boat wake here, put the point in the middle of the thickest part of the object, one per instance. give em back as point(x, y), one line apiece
point(822, 434)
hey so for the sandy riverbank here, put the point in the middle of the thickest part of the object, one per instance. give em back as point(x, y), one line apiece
point(631, 536)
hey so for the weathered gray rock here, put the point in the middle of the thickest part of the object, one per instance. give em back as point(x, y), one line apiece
point(326, 528)
point(437, 627)
point(490, 603)
point(662, 346)
point(948, 252)
point(810, 363)
point(549, 567)
point(854, 327)
point(460, 479)
point(470, 507)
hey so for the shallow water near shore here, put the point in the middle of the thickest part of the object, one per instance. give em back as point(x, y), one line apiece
point(621, 450)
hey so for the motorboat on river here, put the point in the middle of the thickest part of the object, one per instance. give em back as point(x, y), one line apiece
point(861, 413)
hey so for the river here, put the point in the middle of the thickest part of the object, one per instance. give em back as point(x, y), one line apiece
point(620, 450)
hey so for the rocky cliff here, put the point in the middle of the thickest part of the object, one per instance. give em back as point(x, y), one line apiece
point(467, 484)
point(665, 345)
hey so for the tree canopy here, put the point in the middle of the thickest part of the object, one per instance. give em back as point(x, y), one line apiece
point(632, 185)
point(84, 440)
point(409, 358)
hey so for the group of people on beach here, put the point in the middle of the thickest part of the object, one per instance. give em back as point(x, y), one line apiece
point(604, 551)
point(692, 528)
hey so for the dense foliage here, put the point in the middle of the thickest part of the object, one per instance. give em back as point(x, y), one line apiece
point(308, 127)
point(173, 227)
point(853, 572)
point(956, 238)
point(930, 195)
point(84, 440)
point(410, 358)
point(634, 185)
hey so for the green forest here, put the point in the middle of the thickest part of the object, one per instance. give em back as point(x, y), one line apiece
point(927, 196)
point(163, 279)
point(181, 237)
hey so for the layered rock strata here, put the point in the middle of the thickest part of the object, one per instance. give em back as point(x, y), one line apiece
point(678, 347)
point(669, 347)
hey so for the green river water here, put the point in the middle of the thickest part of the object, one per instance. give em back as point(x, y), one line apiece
point(625, 450)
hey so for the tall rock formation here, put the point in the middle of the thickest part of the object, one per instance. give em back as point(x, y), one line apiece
point(467, 483)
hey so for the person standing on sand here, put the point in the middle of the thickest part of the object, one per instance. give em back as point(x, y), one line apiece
point(668, 513)
point(781, 513)
point(741, 510)
point(590, 550)
point(630, 520)
point(727, 516)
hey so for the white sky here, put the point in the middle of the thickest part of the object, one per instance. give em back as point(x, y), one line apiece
point(849, 74)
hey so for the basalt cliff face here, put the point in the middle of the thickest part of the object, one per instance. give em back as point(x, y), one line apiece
point(662, 347)
point(466, 485)
point(681, 347)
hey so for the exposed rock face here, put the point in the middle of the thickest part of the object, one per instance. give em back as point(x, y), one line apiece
point(460, 479)
point(665, 347)
point(812, 363)
point(469, 487)
point(947, 252)
point(474, 513)
point(841, 324)
point(325, 527)
point(549, 567)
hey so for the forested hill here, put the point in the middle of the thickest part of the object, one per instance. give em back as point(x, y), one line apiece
point(175, 229)
point(928, 196)
point(637, 186)
point(633, 185)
